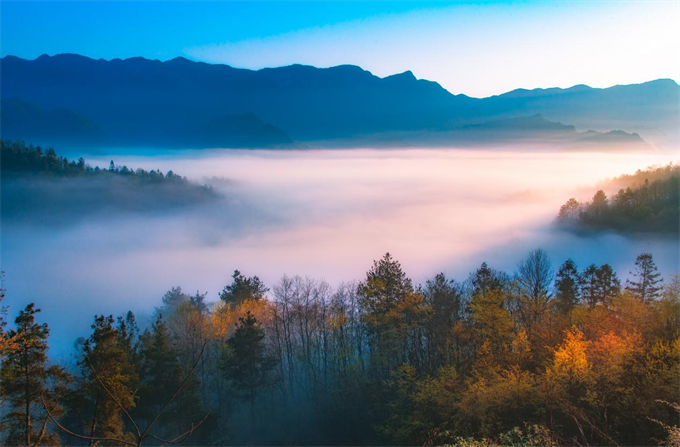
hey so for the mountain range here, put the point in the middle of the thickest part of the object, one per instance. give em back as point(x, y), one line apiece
point(142, 102)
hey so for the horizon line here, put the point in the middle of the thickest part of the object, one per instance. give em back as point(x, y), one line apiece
point(194, 61)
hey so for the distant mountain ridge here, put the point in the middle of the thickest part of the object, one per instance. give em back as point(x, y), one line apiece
point(22, 120)
point(138, 101)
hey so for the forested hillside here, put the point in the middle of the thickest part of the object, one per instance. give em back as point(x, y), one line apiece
point(40, 186)
point(530, 357)
point(648, 201)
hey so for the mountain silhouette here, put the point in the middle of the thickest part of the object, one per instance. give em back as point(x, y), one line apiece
point(139, 101)
point(26, 121)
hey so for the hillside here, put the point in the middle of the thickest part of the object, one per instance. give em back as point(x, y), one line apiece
point(647, 202)
point(39, 187)
point(22, 120)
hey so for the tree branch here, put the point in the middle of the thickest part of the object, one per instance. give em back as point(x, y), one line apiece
point(76, 435)
point(176, 392)
point(87, 358)
point(184, 436)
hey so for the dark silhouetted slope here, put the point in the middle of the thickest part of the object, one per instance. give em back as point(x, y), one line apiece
point(140, 101)
point(22, 120)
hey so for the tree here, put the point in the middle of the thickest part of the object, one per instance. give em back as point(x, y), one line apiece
point(160, 375)
point(172, 299)
point(243, 288)
point(648, 284)
point(26, 379)
point(567, 287)
point(136, 436)
point(569, 212)
point(600, 202)
point(445, 300)
point(106, 363)
point(7, 343)
point(492, 325)
point(534, 277)
point(247, 363)
point(599, 284)
point(486, 279)
point(391, 311)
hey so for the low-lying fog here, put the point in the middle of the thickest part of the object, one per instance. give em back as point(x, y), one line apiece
point(325, 214)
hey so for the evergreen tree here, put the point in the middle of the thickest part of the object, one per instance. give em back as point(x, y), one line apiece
point(160, 376)
point(599, 284)
point(26, 379)
point(445, 300)
point(248, 365)
point(648, 284)
point(107, 357)
point(567, 287)
point(486, 279)
point(386, 285)
point(243, 288)
point(391, 310)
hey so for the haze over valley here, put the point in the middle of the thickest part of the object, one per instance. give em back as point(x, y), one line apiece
point(316, 213)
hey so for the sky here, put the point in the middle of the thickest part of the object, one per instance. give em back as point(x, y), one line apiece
point(476, 48)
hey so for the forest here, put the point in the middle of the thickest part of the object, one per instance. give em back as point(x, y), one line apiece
point(543, 355)
point(39, 186)
point(647, 201)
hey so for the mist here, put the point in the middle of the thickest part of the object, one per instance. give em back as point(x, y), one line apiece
point(323, 214)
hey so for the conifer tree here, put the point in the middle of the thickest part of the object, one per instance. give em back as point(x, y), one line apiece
point(107, 360)
point(26, 380)
point(647, 286)
point(243, 288)
point(567, 287)
point(248, 364)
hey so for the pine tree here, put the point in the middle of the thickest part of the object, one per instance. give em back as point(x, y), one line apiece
point(26, 379)
point(160, 376)
point(599, 284)
point(107, 357)
point(486, 279)
point(567, 287)
point(243, 288)
point(248, 364)
point(390, 310)
point(648, 284)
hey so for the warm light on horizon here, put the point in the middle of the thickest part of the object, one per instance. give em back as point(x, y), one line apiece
point(477, 49)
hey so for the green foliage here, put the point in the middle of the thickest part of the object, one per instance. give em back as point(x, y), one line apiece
point(567, 289)
point(243, 288)
point(26, 379)
point(647, 285)
point(247, 362)
point(649, 203)
point(19, 160)
point(107, 359)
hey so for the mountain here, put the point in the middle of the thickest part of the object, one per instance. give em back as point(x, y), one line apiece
point(245, 130)
point(538, 129)
point(26, 121)
point(651, 109)
point(535, 131)
point(140, 101)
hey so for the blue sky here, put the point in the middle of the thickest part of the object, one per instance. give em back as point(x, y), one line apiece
point(477, 48)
